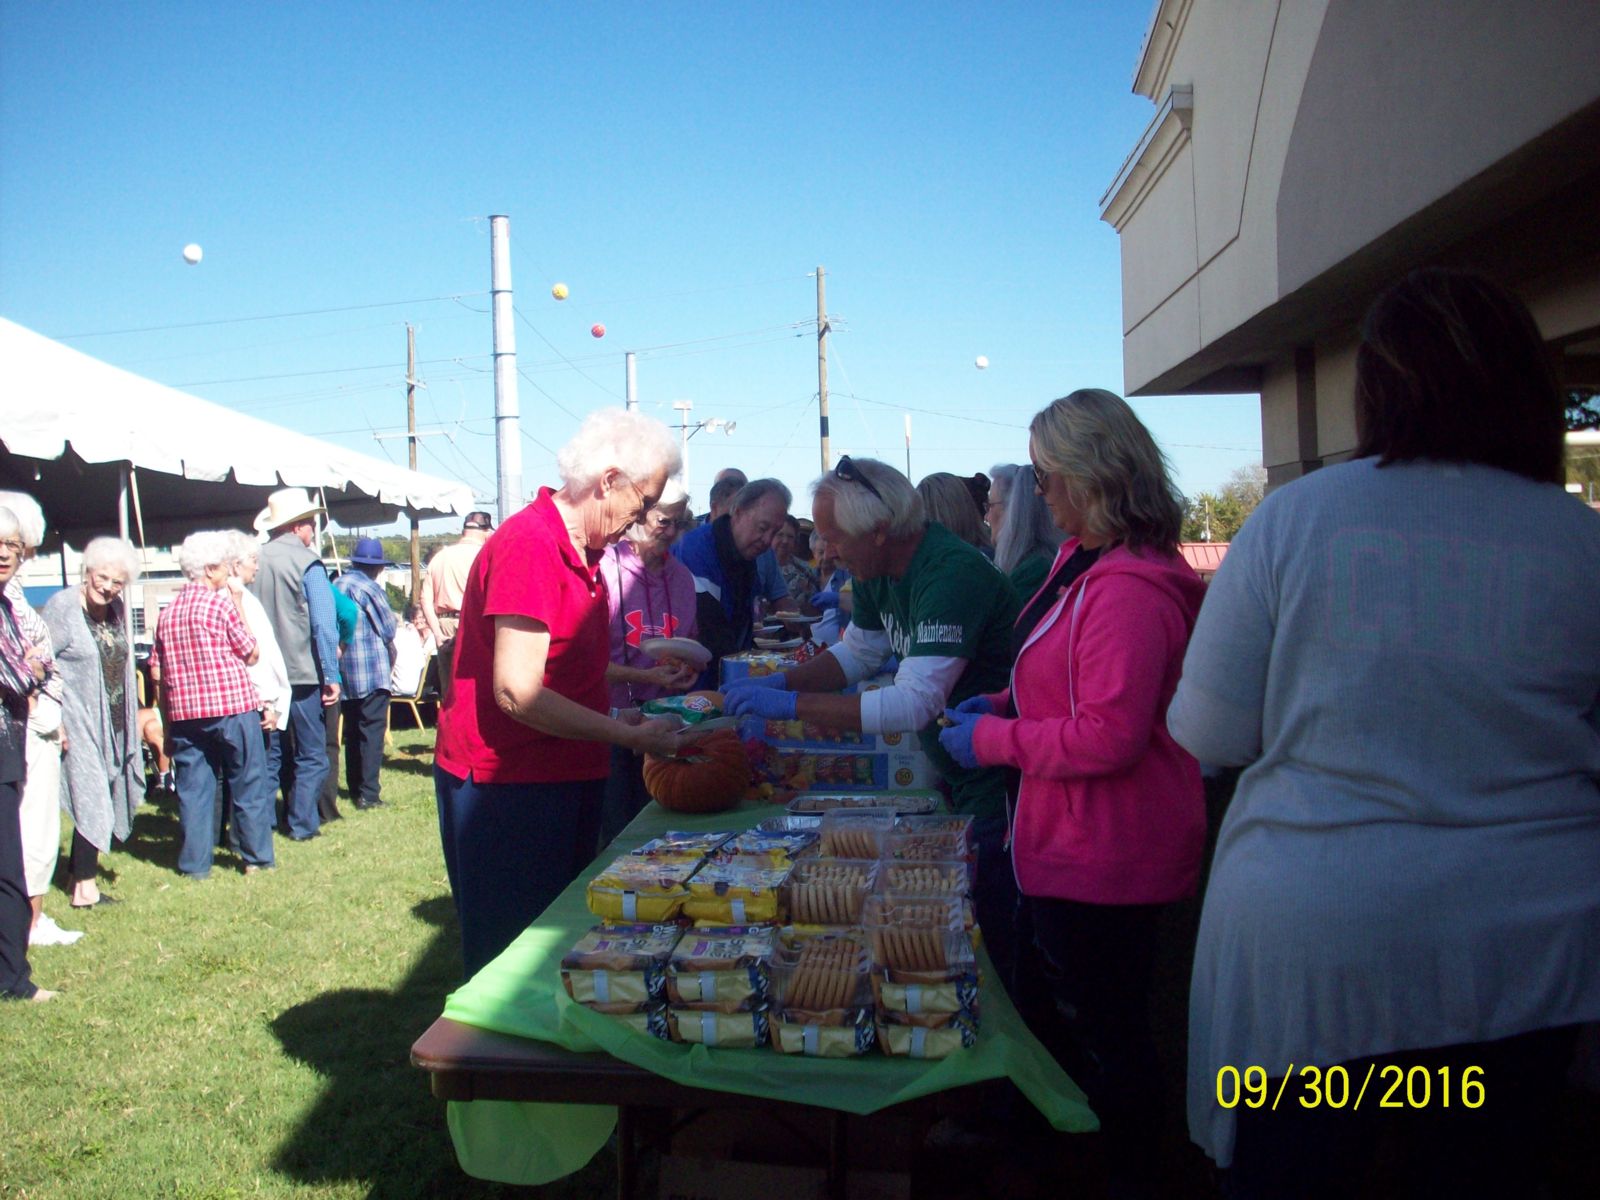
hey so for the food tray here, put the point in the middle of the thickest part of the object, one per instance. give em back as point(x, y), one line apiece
point(922, 936)
point(829, 891)
point(792, 823)
point(856, 832)
point(824, 982)
point(906, 879)
point(927, 847)
point(902, 803)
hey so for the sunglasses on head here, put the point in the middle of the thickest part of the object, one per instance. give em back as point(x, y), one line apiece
point(847, 471)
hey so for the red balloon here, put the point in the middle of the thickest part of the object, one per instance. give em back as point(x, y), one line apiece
point(597, 330)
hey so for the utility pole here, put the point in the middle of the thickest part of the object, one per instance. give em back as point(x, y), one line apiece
point(908, 445)
point(507, 421)
point(633, 382)
point(683, 408)
point(822, 367)
point(411, 440)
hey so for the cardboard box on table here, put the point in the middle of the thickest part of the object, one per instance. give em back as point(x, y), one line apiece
point(803, 757)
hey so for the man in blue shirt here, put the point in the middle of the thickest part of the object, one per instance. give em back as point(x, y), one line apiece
point(366, 665)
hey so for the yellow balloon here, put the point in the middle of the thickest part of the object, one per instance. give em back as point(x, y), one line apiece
point(559, 291)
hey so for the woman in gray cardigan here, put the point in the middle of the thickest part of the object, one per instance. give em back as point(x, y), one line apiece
point(102, 775)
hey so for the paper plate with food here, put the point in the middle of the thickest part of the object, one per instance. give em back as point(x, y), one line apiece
point(780, 644)
point(679, 649)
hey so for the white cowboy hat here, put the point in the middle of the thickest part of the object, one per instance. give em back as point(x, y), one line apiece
point(285, 507)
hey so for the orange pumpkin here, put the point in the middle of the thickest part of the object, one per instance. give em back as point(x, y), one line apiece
point(709, 776)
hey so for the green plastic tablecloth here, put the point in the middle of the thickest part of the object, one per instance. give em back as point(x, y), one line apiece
point(520, 993)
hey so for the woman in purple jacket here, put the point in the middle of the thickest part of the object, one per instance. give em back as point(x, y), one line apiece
point(1109, 821)
point(650, 594)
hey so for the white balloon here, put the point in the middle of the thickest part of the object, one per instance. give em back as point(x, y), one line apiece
point(192, 253)
point(981, 362)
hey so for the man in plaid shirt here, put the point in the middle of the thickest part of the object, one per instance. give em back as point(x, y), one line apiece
point(365, 665)
point(211, 710)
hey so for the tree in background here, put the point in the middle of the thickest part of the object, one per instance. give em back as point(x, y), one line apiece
point(1219, 514)
point(1583, 408)
point(1583, 462)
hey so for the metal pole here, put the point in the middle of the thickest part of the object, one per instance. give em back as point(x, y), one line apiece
point(908, 445)
point(507, 423)
point(822, 369)
point(411, 430)
point(633, 382)
point(683, 407)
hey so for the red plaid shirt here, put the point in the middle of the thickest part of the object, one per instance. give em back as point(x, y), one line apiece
point(201, 643)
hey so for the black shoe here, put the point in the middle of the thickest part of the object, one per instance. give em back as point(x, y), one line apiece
point(365, 805)
point(304, 837)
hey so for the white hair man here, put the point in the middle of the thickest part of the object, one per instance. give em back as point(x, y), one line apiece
point(446, 584)
point(293, 588)
point(933, 600)
point(722, 558)
point(211, 709)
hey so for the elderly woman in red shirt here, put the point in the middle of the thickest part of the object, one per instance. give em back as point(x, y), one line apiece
point(523, 751)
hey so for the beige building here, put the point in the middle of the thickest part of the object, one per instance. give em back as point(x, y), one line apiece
point(1305, 153)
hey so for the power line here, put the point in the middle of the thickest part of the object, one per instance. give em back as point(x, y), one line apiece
point(310, 312)
point(563, 357)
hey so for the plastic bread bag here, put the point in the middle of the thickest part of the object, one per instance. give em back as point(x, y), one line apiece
point(735, 1030)
point(678, 846)
point(958, 992)
point(654, 1022)
point(640, 889)
point(773, 848)
point(618, 969)
point(722, 968)
point(734, 893)
point(847, 1039)
point(918, 1041)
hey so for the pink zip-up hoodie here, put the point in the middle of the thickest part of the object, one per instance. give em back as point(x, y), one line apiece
point(1111, 809)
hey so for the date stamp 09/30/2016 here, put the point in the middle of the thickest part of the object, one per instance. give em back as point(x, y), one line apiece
point(1388, 1086)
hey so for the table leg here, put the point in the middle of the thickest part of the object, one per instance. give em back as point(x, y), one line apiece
point(627, 1160)
point(838, 1156)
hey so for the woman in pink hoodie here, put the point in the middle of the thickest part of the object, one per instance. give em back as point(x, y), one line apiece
point(1108, 824)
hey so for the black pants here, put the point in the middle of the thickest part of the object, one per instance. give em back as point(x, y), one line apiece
point(1093, 965)
point(1497, 1149)
point(364, 723)
point(16, 915)
point(84, 861)
point(328, 799)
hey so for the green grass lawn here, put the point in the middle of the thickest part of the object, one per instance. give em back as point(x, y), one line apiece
point(248, 1036)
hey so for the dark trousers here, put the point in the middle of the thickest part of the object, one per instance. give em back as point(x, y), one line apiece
point(16, 980)
point(364, 723)
point(84, 861)
point(1498, 1149)
point(1093, 964)
point(995, 898)
point(510, 849)
point(625, 794)
point(201, 748)
point(328, 797)
point(304, 745)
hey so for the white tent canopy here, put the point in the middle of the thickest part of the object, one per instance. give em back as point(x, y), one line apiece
point(86, 438)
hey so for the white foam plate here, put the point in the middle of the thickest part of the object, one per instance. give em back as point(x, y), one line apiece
point(687, 649)
point(795, 618)
point(774, 644)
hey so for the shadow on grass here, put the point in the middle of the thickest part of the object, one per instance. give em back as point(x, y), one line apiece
point(156, 832)
point(376, 1121)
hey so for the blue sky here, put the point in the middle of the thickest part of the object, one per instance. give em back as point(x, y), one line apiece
point(683, 168)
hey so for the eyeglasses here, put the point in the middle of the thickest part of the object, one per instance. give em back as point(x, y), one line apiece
point(644, 505)
point(847, 471)
point(1039, 477)
point(14, 545)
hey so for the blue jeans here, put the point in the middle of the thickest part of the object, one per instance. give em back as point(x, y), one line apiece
point(309, 739)
point(510, 849)
point(231, 744)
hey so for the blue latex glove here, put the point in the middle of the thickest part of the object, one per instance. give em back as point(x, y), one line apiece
point(778, 681)
point(825, 599)
point(976, 704)
point(768, 703)
point(957, 737)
